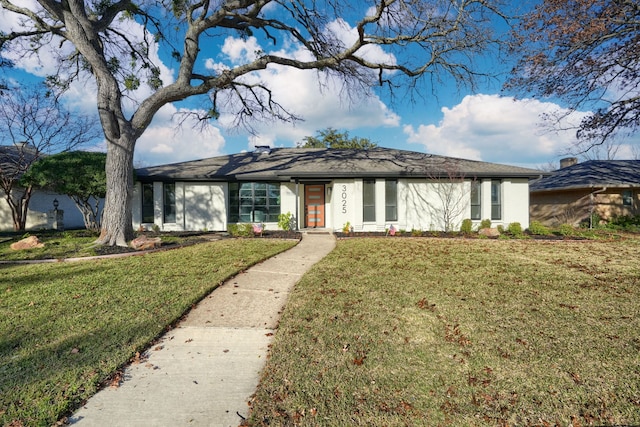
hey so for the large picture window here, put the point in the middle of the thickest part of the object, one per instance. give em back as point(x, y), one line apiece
point(369, 200)
point(254, 202)
point(391, 200)
point(169, 202)
point(476, 197)
point(148, 215)
point(496, 199)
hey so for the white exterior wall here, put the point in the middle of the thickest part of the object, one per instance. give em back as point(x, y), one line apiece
point(515, 202)
point(342, 205)
point(430, 205)
point(40, 205)
point(485, 201)
point(288, 203)
point(516, 192)
point(203, 205)
point(199, 206)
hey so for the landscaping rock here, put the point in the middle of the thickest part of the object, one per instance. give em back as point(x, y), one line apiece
point(144, 243)
point(489, 232)
point(30, 242)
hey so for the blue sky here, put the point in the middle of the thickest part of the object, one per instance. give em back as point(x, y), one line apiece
point(485, 125)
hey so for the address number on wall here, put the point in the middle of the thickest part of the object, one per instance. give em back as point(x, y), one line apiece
point(344, 199)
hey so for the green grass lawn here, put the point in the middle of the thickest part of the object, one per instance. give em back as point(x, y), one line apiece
point(66, 327)
point(394, 332)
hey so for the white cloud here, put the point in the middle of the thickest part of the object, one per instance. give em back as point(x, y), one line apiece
point(497, 129)
point(321, 101)
point(166, 141)
point(240, 51)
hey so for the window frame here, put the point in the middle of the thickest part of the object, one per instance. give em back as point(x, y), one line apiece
point(391, 200)
point(147, 208)
point(244, 194)
point(369, 200)
point(169, 213)
point(496, 200)
point(627, 197)
point(475, 196)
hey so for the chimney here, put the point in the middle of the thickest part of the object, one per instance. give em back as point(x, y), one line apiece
point(568, 161)
point(262, 149)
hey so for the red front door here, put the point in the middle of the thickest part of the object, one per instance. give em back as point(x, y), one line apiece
point(314, 205)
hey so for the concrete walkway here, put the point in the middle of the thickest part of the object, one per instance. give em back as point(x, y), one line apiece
point(203, 372)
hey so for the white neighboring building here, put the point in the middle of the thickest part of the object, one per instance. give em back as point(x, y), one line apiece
point(369, 190)
point(40, 209)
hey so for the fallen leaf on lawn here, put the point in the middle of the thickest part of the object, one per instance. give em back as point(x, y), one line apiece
point(116, 380)
point(359, 360)
point(268, 334)
point(75, 350)
point(575, 377)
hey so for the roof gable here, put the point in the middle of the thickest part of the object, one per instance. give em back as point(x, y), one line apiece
point(593, 173)
point(283, 164)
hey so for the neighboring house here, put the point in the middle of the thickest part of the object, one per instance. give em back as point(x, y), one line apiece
point(368, 190)
point(39, 216)
point(607, 188)
point(40, 211)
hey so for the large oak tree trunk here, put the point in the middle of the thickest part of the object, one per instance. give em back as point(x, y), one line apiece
point(117, 228)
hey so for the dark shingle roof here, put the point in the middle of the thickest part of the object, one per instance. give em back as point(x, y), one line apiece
point(15, 159)
point(283, 164)
point(593, 173)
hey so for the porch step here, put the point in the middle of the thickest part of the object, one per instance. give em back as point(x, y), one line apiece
point(316, 231)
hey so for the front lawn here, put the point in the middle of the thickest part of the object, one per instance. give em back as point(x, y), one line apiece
point(395, 332)
point(66, 327)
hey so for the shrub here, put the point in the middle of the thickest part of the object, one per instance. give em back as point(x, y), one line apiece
point(416, 233)
point(500, 229)
point(467, 226)
point(485, 223)
point(346, 229)
point(566, 230)
point(240, 230)
point(538, 229)
point(286, 221)
point(515, 228)
point(624, 222)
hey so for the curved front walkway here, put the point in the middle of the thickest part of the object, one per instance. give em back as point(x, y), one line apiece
point(203, 372)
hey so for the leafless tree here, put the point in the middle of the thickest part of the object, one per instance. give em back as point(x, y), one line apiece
point(587, 54)
point(423, 41)
point(32, 125)
point(452, 194)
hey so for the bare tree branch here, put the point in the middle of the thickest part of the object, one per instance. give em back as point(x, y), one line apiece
point(587, 54)
point(33, 125)
point(417, 42)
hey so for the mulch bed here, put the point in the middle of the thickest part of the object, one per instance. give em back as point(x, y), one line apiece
point(449, 235)
point(194, 237)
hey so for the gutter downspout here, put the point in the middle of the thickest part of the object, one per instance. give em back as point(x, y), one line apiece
point(591, 200)
point(297, 205)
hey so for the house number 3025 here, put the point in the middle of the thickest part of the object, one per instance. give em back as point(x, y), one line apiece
point(344, 199)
